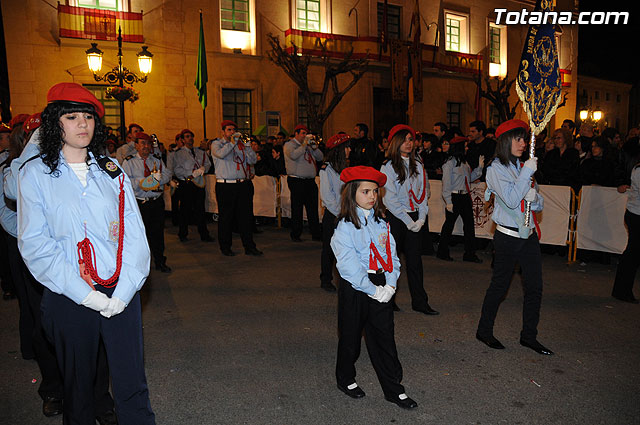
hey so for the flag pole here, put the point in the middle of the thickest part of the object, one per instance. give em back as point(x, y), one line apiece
point(202, 77)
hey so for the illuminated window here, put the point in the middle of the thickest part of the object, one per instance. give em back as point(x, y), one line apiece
point(456, 32)
point(101, 4)
point(494, 44)
point(308, 14)
point(497, 44)
point(393, 20)
point(111, 106)
point(234, 15)
point(453, 34)
point(453, 114)
point(236, 106)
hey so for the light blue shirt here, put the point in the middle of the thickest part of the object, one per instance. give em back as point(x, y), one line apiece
point(351, 248)
point(453, 178)
point(330, 189)
point(8, 218)
point(55, 212)
point(511, 183)
point(134, 167)
point(633, 198)
point(300, 160)
point(184, 162)
point(396, 195)
point(125, 150)
point(230, 161)
point(4, 155)
point(10, 178)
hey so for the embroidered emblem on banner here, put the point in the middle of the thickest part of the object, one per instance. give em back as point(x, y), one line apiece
point(114, 229)
point(481, 214)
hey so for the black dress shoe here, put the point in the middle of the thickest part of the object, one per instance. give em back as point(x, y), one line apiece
point(8, 295)
point(163, 268)
point(108, 418)
point(406, 403)
point(328, 286)
point(629, 298)
point(491, 341)
point(207, 238)
point(355, 392)
point(228, 252)
point(253, 251)
point(296, 239)
point(537, 347)
point(427, 310)
point(473, 259)
point(51, 406)
point(444, 257)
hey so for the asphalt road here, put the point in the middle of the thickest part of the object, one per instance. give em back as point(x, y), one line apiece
point(247, 340)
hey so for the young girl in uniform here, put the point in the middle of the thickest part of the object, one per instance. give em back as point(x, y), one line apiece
point(456, 178)
point(330, 187)
point(369, 268)
point(510, 181)
point(405, 197)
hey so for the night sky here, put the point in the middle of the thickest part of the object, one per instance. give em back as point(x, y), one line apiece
point(610, 51)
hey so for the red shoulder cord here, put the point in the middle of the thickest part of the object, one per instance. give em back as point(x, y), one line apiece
point(375, 257)
point(412, 195)
point(240, 162)
point(86, 252)
point(309, 157)
point(533, 214)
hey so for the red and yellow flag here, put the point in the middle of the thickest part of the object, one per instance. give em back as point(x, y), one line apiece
point(97, 24)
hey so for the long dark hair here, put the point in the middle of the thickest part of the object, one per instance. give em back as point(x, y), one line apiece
point(16, 142)
point(349, 207)
point(457, 152)
point(393, 153)
point(503, 146)
point(51, 134)
point(337, 158)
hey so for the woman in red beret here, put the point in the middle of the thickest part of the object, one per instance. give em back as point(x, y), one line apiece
point(369, 269)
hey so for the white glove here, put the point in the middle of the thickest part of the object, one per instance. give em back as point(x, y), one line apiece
point(414, 226)
point(236, 137)
point(198, 172)
point(532, 163)
point(421, 223)
point(449, 208)
point(380, 293)
point(116, 306)
point(96, 300)
point(481, 161)
point(388, 293)
point(157, 175)
point(531, 195)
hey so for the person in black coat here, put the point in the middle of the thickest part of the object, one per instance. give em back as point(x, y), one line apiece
point(598, 169)
point(561, 164)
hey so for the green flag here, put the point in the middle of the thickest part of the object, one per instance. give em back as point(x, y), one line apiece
point(202, 77)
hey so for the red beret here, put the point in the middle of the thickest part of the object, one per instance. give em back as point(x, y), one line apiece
point(399, 127)
point(362, 172)
point(337, 140)
point(143, 136)
point(510, 125)
point(18, 119)
point(72, 92)
point(225, 123)
point(134, 125)
point(32, 123)
point(301, 127)
point(185, 131)
point(458, 139)
point(4, 128)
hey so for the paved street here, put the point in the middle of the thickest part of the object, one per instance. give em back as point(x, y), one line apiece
point(247, 340)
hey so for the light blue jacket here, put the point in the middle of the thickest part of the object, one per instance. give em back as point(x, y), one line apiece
point(330, 189)
point(453, 177)
point(55, 212)
point(296, 159)
point(396, 195)
point(8, 218)
point(184, 162)
point(134, 167)
point(230, 161)
point(351, 248)
point(633, 199)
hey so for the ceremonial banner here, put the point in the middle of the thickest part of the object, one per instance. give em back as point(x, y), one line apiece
point(399, 70)
point(98, 24)
point(601, 220)
point(538, 84)
point(202, 77)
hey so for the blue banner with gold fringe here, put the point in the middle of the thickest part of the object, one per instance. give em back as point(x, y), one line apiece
point(539, 85)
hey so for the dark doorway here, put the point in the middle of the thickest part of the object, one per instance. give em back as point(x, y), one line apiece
point(386, 112)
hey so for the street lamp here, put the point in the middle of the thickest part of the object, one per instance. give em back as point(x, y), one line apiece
point(119, 74)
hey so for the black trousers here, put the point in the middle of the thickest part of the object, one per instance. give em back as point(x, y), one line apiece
point(152, 213)
point(234, 202)
point(357, 312)
point(510, 250)
point(409, 243)
point(427, 242)
point(304, 193)
point(327, 259)
point(76, 332)
point(6, 279)
point(461, 207)
point(192, 204)
point(175, 206)
point(26, 319)
point(628, 265)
